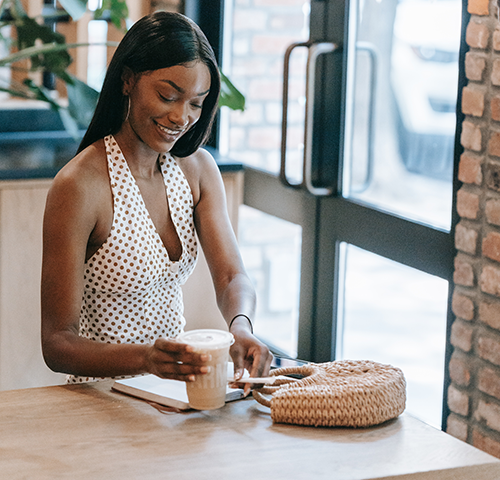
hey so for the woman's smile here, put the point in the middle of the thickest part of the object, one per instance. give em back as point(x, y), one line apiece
point(170, 99)
point(169, 131)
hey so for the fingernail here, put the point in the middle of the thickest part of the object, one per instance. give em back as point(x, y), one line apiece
point(205, 369)
point(191, 378)
point(206, 357)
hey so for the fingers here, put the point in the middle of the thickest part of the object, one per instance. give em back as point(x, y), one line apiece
point(248, 352)
point(261, 363)
point(260, 367)
point(178, 361)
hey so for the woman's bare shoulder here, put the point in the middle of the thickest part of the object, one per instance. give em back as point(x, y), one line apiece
point(200, 169)
point(87, 170)
point(82, 186)
point(200, 162)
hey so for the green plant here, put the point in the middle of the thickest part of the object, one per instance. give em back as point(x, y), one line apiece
point(45, 50)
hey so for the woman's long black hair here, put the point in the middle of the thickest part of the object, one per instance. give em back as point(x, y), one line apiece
point(159, 40)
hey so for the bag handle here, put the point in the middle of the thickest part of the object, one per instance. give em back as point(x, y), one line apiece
point(258, 393)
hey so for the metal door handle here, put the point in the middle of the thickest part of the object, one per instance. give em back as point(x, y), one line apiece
point(314, 51)
point(373, 54)
point(284, 122)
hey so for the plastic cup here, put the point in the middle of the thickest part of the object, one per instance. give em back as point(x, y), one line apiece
point(208, 391)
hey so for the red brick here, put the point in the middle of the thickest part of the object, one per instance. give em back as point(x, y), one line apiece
point(260, 138)
point(459, 371)
point(489, 313)
point(492, 175)
point(471, 136)
point(464, 273)
point(489, 413)
point(485, 443)
point(271, 44)
point(249, 19)
point(496, 39)
point(472, 101)
point(253, 115)
point(478, 7)
point(492, 211)
point(489, 349)
point(489, 281)
point(477, 35)
point(461, 336)
point(467, 204)
point(466, 239)
point(457, 427)
point(494, 144)
point(495, 72)
point(288, 21)
point(458, 401)
point(474, 66)
point(491, 246)
point(469, 169)
point(462, 306)
point(495, 108)
point(251, 67)
point(265, 89)
point(489, 382)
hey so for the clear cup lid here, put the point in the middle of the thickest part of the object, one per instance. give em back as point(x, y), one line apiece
point(206, 338)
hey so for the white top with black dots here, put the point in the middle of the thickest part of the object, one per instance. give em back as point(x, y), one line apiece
point(132, 288)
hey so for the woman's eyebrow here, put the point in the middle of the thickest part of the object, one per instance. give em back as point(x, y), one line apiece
point(181, 90)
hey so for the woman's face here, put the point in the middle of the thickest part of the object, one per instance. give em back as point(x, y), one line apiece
point(166, 103)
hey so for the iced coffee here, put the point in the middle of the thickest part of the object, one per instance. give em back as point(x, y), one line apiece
point(208, 391)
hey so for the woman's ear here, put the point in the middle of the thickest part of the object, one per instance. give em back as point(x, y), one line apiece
point(128, 79)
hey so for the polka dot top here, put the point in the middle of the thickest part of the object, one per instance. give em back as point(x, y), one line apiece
point(132, 289)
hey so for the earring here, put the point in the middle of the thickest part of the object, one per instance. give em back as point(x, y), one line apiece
point(128, 109)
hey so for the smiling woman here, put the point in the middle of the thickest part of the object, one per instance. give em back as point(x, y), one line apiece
point(123, 219)
point(153, 45)
point(170, 99)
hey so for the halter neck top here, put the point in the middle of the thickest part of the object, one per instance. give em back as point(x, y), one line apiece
point(132, 290)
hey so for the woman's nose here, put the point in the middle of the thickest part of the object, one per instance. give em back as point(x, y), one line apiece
point(179, 116)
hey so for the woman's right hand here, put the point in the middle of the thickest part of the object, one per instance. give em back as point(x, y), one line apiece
point(171, 359)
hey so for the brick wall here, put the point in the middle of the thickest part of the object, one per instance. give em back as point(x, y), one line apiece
point(474, 392)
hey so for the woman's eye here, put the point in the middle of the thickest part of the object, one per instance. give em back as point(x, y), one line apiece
point(165, 99)
point(196, 105)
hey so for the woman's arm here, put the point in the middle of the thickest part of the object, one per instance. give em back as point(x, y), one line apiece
point(234, 290)
point(78, 216)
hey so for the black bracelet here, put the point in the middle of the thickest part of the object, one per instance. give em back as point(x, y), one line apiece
point(242, 315)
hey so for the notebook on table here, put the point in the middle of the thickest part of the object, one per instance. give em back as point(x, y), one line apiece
point(170, 393)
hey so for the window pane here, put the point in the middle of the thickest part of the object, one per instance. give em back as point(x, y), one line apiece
point(260, 33)
point(97, 56)
point(404, 163)
point(397, 315)
point(270, 248)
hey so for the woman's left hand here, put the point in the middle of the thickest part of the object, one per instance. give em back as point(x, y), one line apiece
point(248, 353)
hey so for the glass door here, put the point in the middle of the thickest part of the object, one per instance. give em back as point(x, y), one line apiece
point(346, 221)
point(276, 223)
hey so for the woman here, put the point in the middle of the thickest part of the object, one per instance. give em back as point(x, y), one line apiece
point(120, 219)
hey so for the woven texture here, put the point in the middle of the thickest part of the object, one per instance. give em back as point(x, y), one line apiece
point(347, 393)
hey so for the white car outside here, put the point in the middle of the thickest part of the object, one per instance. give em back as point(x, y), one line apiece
point(424, 78)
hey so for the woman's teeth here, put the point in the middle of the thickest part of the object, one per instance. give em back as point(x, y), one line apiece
point(168, 130)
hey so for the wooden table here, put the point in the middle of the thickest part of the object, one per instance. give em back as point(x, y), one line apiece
point(91, 432)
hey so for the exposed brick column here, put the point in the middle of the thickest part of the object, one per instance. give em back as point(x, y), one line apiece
point(474, 392)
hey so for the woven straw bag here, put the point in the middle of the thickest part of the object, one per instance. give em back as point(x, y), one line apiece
point(344, 393)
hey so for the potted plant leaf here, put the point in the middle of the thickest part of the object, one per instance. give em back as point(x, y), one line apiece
point(40, 48)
